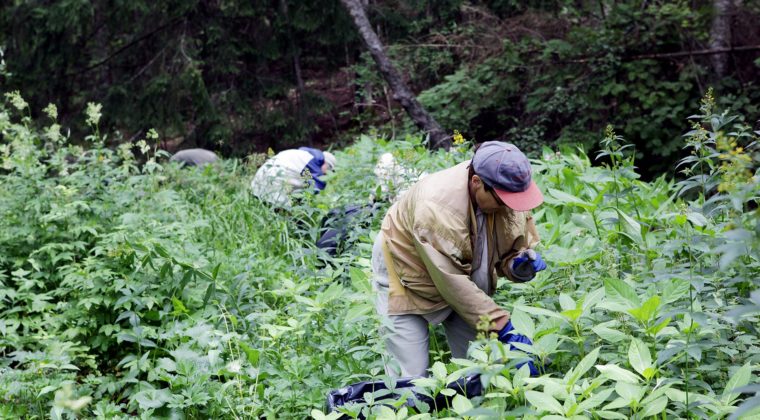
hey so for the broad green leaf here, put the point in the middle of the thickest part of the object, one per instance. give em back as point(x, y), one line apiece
point(153, 398)
point(48, 389)
point(319, 415)
point(566, 302)
point(608, 334)
point(617, 403)
point(500, 382)
point(544, 402)
point(697, 219)
point(215, 271)
point(649, 373)
point(594, 400)
point(455, 375)
point(581, 368)
point(616, 373)
point(592, 298)
point(538, 311)
point(250, 353)
point(360, 280)
point(737, 380)
point(160, 250)
point(629, 392)
point(631, 227)
point(209, 293)
point(656, 329)
point(439, 371)
point(674, 290)
point(639, 356)
point(562, 197)
point(203, 274)
point(480, 413)
point(461, 404)
point(547, 344)
point(677, 395)
point(572, 315)
point(523, 323)
point(355, 312)
point(647, 310)
point(611, 415)
point(619, 292)
point(658, 392)
point(749, 410)
point(655, 407)
point(384, 412)
point(428, 383)
point(583, 220)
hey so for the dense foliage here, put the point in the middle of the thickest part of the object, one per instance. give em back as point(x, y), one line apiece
point(240, 76)
point(135, 287)
point(590, 67)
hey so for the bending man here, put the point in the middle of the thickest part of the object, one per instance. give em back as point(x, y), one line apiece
point(441, 247)
point(283, 174)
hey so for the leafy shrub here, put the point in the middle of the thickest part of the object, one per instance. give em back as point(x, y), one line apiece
point(130, 287)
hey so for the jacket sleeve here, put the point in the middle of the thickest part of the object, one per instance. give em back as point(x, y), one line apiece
point(527, 239)
point(435, 244)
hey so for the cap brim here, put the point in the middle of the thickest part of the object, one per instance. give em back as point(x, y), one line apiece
point(522, 201)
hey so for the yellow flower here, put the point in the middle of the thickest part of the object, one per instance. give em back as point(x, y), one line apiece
point(458, 138)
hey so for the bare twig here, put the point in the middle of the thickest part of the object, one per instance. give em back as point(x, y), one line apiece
point(127, 46)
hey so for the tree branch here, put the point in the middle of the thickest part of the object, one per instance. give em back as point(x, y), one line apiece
point(127, 46)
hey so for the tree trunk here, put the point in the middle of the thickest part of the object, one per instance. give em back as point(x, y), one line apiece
point(720, 35)
point(401, 93)
point(296, 58)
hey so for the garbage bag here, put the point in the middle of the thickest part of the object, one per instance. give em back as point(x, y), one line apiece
point(469, 386)
point(338, 224)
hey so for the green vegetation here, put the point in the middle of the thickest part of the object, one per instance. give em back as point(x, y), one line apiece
point(129, 286)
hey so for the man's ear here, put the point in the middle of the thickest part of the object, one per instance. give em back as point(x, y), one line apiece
point(475, 181)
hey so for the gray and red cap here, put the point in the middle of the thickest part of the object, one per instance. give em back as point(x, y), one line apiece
point(506, 169)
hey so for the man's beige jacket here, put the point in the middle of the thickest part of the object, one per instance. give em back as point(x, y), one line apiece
point(430, 235)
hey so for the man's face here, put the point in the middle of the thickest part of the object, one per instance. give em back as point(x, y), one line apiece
point(486, 199)
point(325, 168)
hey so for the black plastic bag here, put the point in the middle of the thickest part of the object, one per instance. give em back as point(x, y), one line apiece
point(337, 225)
point(469, 386)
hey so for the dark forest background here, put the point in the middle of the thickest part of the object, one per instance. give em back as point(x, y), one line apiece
point(244, 76)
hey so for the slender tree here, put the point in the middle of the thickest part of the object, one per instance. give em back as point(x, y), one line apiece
point(401, 93)
point(720, 35)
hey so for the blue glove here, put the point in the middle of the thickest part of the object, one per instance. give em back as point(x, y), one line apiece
point(528, 257)
point(507, 337)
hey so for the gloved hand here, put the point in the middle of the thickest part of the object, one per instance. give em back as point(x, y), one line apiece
point(507, 336)
point(528, 263)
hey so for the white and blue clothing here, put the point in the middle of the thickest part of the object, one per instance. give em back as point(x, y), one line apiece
point(315, 167)
point(284, 174)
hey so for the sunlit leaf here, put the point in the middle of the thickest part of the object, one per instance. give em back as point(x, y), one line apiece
point(523, 323)
point(439, 371)
point(461, 404)
point(544, 402)
point(582, 367)
point(619, 292)
point(609, 334)
point(655, 407)
point(647, 310)
point(639, 356)
point(740, 378)
point(616, 373)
